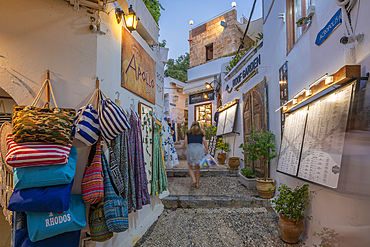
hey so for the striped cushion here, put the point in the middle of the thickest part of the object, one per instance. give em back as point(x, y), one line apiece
point(36, 153)
point(92, 186)
point(112, 119)
point(86, 127)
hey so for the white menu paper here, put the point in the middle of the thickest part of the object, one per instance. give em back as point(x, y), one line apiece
point(221, 123)
point(230, 119)
point(324, 138)
point(291, 144)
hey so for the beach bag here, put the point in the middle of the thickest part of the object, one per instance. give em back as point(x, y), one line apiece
point(36, 153)
point(42, 225)
point(112, 119)
point(43, 199)
point(92, 185)
point(115, 208)
point(86, 127)
point(98, 227)
point(40, 176)
point(70, 239)
point(50, 125)
point(208, 161)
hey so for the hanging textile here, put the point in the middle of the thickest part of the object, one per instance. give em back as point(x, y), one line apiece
point(159, 181)
point(169, 150)
point(136, 159)
point(120, 146)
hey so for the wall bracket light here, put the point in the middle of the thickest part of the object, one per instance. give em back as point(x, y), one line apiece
point(131, 20)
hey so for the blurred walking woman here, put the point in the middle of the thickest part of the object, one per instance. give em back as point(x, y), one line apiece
point(195, 140)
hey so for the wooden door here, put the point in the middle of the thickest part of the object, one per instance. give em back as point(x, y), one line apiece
point(255, 115)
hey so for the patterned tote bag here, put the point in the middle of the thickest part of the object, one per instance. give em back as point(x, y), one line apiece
point(98, 226)
point(50, 125)
point(112, 119)
point(92, 185)
point(86, 128)
point(115, 208)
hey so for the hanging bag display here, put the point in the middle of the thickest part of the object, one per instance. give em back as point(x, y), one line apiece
point(92, 185)
point(98, 227)
point(115, 208)
point(43, 199)
point(42, 225)
point(36, 153)
point(112, 119)
point(50, 125)
point(40, 176)
point(21, 239)
point(86, 128)
point(115, 172)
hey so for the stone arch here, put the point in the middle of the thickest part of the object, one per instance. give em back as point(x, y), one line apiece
point(16, 88)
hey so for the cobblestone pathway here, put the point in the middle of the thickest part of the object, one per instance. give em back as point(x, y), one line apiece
point(222, 212)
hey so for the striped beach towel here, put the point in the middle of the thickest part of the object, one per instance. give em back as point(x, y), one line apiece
point(36, 153)
point(92, 186)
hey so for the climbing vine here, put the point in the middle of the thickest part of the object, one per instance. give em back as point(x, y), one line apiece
point(154, 8)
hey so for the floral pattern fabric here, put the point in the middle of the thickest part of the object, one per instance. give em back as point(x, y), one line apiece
point(169, 150)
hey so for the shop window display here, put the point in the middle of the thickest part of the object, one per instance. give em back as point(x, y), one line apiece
point(203, 114)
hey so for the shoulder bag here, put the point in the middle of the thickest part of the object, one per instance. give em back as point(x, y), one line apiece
point(115, 208)
point(92, 185)
point(112, 119)
point(98, 226)
point(51, 125)
point(86, 127)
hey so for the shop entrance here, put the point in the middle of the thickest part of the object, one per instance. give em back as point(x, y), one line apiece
point(255, 115)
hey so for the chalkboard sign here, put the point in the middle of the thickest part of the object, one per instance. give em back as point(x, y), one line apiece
point(212, 145)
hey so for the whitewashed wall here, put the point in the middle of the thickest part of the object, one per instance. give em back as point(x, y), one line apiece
point(49, 34)
point(348, 215)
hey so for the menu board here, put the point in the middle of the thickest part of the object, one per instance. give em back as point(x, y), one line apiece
point(292, 142)
point(221, 123)
point(324, 138)
point(230, 119)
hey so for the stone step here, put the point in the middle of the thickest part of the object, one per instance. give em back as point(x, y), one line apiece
point(179, 201)
point(203, 173)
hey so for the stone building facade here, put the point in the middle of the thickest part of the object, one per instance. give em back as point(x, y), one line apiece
point(217, 38)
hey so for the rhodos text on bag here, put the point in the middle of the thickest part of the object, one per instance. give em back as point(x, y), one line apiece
point(42, 225)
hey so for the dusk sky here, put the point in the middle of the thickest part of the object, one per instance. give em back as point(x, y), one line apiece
point(174, 21)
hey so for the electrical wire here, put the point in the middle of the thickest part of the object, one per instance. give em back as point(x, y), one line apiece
point(246, 30)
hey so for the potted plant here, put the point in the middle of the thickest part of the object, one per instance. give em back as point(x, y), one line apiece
point(261, 146)
point(248, 178)
point(234, 162)
point(224, 147)
point(291, 204)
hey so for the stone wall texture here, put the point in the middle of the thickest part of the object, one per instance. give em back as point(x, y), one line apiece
point(225, 40)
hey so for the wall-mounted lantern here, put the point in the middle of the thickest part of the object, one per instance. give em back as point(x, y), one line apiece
point(131, 20)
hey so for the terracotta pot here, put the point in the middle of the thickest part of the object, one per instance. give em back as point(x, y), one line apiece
point(221, 158)
point(234, 163)
point(263, 188)
point(290, 229)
